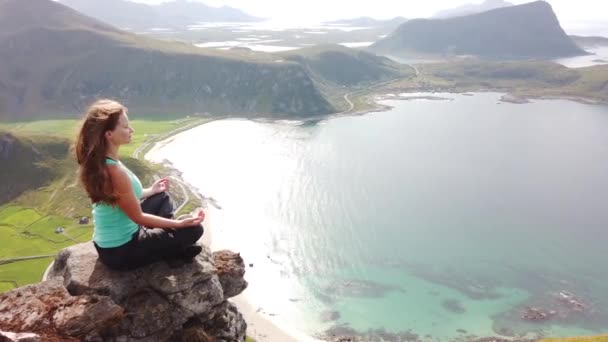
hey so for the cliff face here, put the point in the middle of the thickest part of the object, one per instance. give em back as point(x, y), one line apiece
point(525, 31)
point(84, 300)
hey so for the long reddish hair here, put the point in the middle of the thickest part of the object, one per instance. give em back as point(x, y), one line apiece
point(91, 148)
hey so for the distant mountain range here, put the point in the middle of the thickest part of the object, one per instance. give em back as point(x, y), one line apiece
point(54, 65)
point(368, 22)
point(471, 9)
point(590, 41)
point(525, 31)
point(173, 14)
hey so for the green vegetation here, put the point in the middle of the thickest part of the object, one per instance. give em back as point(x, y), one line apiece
point(336, 65)
point(52, 196)
point(21, 273)
point(528, 79)
point(79, 59)
point(24, 232)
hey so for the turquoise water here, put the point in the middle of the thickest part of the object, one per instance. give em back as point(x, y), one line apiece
point(442, 219)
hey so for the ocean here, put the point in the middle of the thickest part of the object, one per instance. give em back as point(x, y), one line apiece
point(437, 219)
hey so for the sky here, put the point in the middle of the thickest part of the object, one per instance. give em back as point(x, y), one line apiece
point(319, 10)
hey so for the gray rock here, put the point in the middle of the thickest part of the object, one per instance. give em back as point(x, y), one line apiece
point(83, 273)
point(226, 323)
point(200, 298)
point(84, 300)
point(167, 280)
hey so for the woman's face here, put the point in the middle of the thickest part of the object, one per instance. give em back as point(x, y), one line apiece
point(122, 134)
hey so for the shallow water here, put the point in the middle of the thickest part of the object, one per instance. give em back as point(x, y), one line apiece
point(599, 56)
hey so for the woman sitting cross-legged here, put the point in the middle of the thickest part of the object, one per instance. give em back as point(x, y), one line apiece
point(128, 234)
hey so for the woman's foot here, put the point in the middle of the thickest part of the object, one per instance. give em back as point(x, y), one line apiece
point(184, 256)
point(189, 252)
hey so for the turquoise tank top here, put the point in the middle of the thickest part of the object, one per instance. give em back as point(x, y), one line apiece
point(113, 228)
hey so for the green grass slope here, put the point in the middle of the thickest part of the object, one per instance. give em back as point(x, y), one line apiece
point(341, 66)
point(526, 78)
point(41, 192)
point(29, 162)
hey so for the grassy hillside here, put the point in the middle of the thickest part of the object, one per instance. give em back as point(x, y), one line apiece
point(50, 195)
point(29, 162)
point(341, 66)
point(524, 31)
point(522, 78)
point(59, 62)
point(504, 74)
point(593, 82)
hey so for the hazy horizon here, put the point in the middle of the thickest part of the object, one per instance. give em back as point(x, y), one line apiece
point(316, 10)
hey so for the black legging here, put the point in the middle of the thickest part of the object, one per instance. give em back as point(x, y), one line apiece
point(149, 245)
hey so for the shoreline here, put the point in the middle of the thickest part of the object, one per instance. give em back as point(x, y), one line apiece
point(259, 327)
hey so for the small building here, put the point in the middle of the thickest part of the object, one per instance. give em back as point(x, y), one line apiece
point(59, 230)
point(84, 220)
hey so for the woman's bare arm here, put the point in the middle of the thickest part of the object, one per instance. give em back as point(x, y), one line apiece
point(128, 202)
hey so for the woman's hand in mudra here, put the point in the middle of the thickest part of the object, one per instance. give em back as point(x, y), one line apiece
point(195, 218)
point(160, 185)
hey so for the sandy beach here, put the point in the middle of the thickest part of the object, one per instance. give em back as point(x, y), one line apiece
point(259, 327)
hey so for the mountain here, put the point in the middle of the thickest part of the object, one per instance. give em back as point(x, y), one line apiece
point(336, 65)
point(368, 22)
point(526, 31)
point(55, 64)
point(590, 41)
point(175, 14)
point(471, 9)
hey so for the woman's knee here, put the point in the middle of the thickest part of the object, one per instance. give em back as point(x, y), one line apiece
point(199, 230)
point(194, 233)
point(164, 204)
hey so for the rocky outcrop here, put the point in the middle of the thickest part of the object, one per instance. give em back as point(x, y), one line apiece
point(492, 34)
point(84, 300)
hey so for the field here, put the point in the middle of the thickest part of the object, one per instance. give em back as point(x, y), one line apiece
point(42, 220)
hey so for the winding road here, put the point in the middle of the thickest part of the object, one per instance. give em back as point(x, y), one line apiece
point(352, 105)
point(156, 138)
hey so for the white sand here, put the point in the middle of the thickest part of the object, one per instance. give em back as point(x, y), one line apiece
point(260, 327)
